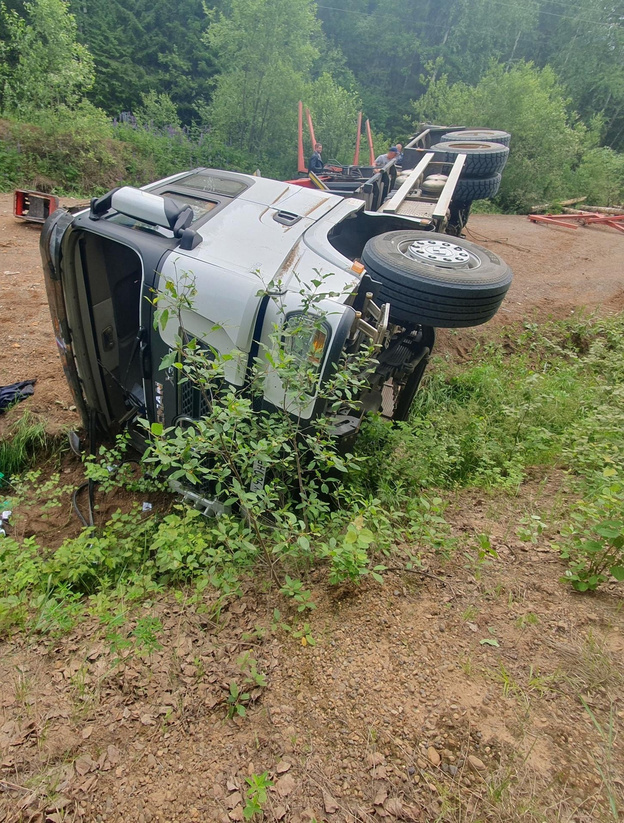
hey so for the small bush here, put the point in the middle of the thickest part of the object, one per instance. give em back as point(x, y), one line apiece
point(600, 177)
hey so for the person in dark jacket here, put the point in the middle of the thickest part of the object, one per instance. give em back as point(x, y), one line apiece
point(316, 161)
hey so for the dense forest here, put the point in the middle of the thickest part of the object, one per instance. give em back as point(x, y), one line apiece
point(92, 92)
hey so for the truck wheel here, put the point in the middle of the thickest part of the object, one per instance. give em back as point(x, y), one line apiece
point(476, 188)
point(433, 280)
point(483, 159)
point(489, 135)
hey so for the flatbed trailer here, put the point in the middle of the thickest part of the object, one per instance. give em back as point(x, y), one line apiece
point(434, 184)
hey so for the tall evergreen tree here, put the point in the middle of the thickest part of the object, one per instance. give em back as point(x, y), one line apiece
point(141, 47)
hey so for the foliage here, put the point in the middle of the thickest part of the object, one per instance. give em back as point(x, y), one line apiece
point(157, 111)
point(547, 141)
point(484, 423)
point(256, 794)
point(585, 47)
point(67, 151)
point(245, 457)
point(334, 112)
point(142, 47)
point(23, 440)
point(600, 177)
point(112, 467)
point(79, 152)
point(557, 399)
point(594, 540)
point(280, 469)
point(389, 48)
point(265, 50)
point(238, 699)
point(43, 65)
point(302, 597)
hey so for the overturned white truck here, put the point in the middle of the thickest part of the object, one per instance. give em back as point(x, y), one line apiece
point(247, 240)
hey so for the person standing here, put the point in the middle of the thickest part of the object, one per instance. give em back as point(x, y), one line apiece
point(316, 161)
point(384, 159)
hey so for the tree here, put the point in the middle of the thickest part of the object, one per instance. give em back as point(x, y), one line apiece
point(142, 46)
point(43, 64)
point(265, 50)
point(389, 48)
point(547, 141)
point(587, 51)
point(157, 111)
point(114, 36)
point(334, 112)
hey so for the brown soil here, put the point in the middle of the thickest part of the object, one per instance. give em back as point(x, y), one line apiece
point(400, 710)
point(27, 346)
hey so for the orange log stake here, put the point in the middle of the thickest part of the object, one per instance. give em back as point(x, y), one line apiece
point(370, 143)
point(311, 128)
point(356, 156)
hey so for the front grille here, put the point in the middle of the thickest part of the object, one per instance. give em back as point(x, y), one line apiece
point(191, 401)
point(186, 399)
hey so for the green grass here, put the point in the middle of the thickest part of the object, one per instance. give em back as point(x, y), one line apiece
point(484, 423)
point(557, 399)
point(23, 441)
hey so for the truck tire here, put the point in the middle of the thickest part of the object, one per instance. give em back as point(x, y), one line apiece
point(434, 280)
point(476, 188)
point(489, 135)
point(483, 159)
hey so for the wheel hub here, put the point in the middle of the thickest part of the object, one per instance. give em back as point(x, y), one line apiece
point(438, 253)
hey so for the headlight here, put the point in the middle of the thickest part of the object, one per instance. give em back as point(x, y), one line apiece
point(305, 337)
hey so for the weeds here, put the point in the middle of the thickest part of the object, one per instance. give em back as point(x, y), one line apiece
point(238, 698)
point(256, 794)
point(593, 540)
point(605, 767)
point(558, 398)
point(24, 440)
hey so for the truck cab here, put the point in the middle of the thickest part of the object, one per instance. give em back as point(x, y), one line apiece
point(254, 248)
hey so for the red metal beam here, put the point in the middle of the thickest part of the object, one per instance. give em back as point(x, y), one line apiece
point(604, 218)
point(615, 225)
point(356, 156)
point(552, 220)
point(370, 143)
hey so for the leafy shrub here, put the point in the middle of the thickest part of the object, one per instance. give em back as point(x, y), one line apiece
point(594, 540)
point(547, 141)
point(279, 469)
point(600, 176)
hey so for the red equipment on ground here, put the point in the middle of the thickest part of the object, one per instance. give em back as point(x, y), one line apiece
point(34, 205)
point(586, 218)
